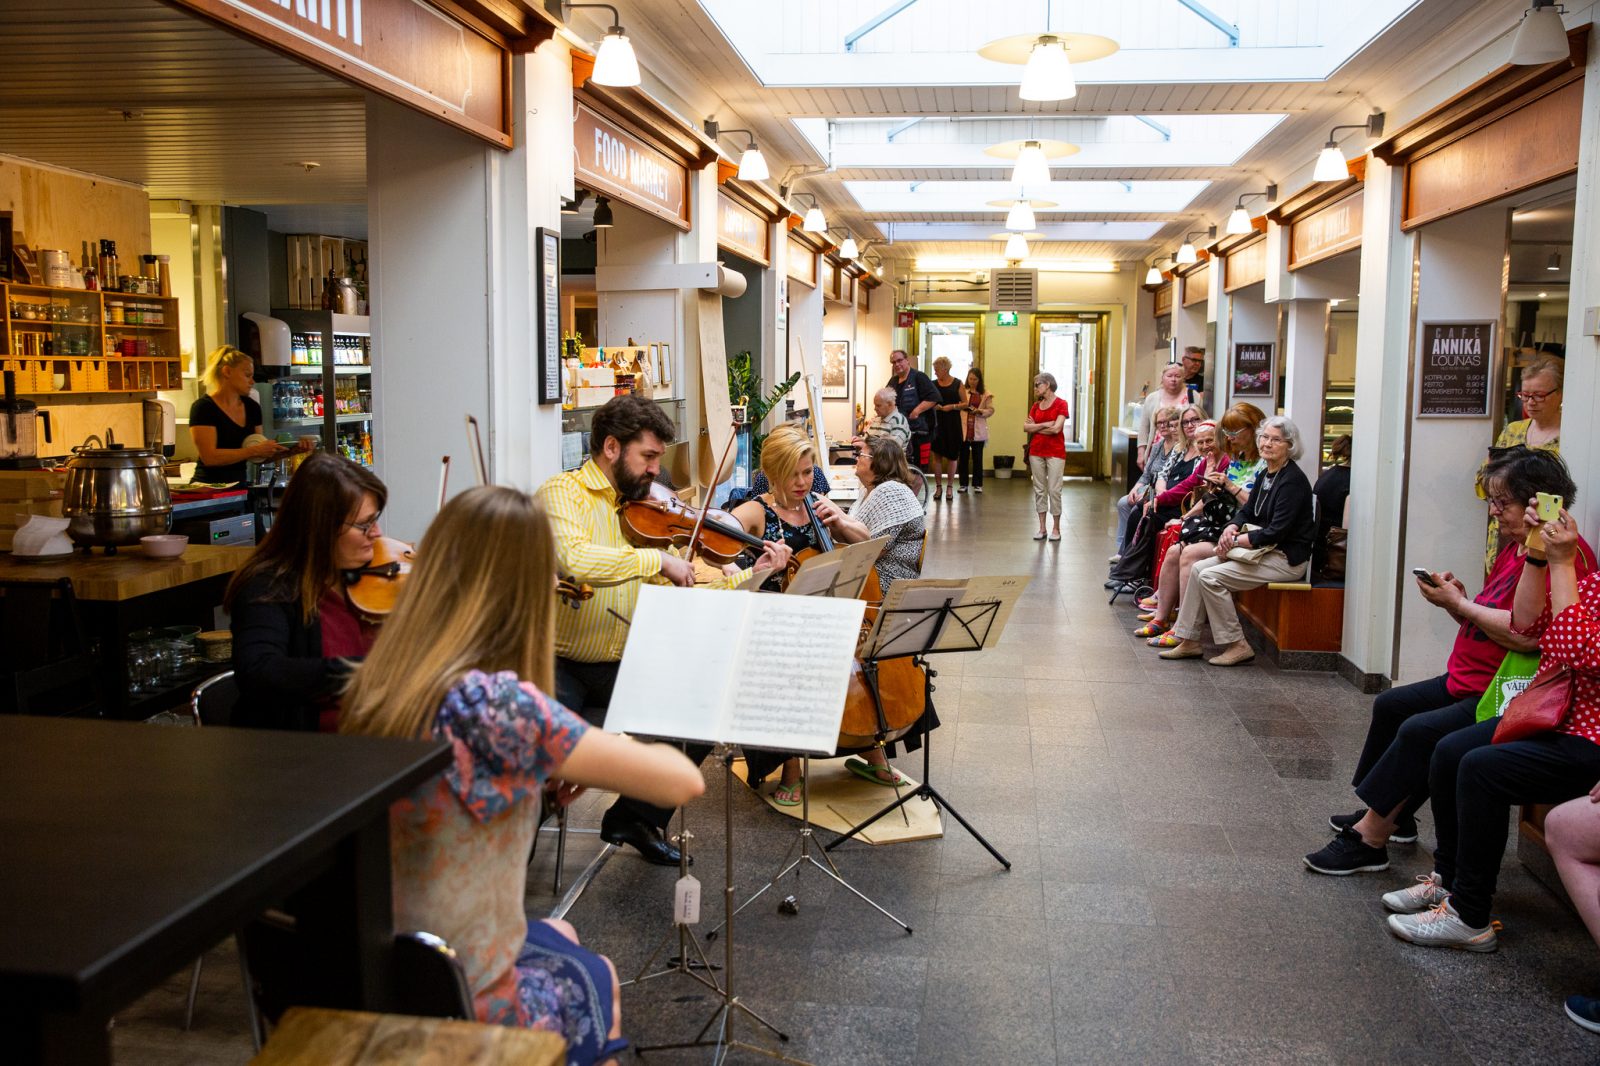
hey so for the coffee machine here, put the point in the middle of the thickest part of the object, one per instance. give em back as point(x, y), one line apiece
point(160, 427)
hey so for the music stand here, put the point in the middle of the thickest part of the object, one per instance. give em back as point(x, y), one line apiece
point(929, 631)
point(681, 963)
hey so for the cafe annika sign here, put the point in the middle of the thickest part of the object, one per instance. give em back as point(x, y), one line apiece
point(1455, 365)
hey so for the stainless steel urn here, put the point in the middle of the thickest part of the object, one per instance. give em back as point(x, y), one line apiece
point(116, 495)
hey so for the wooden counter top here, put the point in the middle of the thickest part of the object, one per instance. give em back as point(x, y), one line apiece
point(129, 573)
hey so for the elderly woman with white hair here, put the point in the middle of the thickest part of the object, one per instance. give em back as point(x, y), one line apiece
point(1269, 539)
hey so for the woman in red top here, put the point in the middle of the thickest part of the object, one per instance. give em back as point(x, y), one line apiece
point(1047, 451)
point(1475, 783)
point(295, 635)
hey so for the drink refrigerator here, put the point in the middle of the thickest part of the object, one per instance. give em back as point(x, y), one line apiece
point(327, 388)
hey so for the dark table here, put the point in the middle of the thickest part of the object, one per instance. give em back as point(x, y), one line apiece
point(127, 850)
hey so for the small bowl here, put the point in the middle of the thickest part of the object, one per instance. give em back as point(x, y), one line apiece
point(164, 545)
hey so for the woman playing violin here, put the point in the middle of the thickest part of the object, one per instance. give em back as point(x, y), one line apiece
point(295, 635)
point(788, 458)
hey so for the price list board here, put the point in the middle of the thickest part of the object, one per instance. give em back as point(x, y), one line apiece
point(1455, 368)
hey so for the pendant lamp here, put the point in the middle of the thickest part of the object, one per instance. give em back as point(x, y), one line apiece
point(848, 249)
point(614, 62)
point(1540, 36)
point(1032, 167)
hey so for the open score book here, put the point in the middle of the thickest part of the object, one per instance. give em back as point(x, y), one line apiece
point(741, 668)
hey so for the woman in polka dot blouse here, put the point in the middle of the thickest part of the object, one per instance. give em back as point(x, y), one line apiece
point(1475, 783)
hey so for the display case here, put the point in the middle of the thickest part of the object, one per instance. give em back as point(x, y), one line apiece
point(1338, 414)
point(87, 341)
point(575, 430)
point(327, 388)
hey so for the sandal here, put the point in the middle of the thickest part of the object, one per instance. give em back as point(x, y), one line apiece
point(1146, 616)
point(789, 795)
point(870, 772)
point(1148, 603)
point(1154, 629)
point(1165, 640)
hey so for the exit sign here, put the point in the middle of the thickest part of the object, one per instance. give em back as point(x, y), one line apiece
point(1005, 318)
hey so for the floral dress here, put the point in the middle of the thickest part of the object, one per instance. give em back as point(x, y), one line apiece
point(460, 845)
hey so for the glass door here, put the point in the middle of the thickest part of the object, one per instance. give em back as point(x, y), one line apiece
point(1072, 349)
point(957, 337)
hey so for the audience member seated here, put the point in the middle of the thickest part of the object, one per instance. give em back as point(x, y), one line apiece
point(1169, 442)
point(889, 422)
point(1275, 522)
point(1169, 506)
point(1133, 563)
point(295, 634)
point(887, 508)
point(467, 658)
point(1475, 782)
point(1408, 722)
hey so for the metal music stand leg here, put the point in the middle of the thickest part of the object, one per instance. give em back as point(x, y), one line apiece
point(697, 967)
point(806, 856)
point(722, 1020)
point(923, 791)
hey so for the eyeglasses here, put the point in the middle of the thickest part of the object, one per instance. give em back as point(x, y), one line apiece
point(1165, 422)
point(1193, 420)
point(1262, 438)
point(1501, 503)
point(1234, 434)
point(1540, 397)
point(366, 527)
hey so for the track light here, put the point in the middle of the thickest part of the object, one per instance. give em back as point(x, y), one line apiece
point(1540, 36)
point(614, 62)
point(1239, 221)
point(602, 213)
point(1331, 165)
point(752, 164)
point(848, 249)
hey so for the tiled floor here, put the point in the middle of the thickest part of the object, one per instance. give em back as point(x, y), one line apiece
point(1156, 910)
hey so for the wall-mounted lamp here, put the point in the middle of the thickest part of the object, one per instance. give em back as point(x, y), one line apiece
point(614, 62)
point(1187, 255)
point(752, 164)
point(814, 221)
point(847, 248)
point(602, 213)
point(1331, 165)
point(1239, 220)
point(1153, 275)
point(1540, 36)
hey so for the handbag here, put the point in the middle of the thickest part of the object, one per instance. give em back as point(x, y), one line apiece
point(1333, 553)
point(1539, 708)
point(1251, 555)
point(1517, 671)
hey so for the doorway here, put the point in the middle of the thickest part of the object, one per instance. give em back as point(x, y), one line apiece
point(956, 336)
point(1072, 348)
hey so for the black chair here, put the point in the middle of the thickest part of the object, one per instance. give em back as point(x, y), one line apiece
point(428, 979)
point(213, 700)
point(49, 668)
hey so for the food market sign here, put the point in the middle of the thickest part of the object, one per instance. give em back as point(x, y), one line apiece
point(407, 50)
point(611, 160)
point(1455, 367)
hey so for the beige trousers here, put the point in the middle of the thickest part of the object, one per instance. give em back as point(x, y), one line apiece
point(1209, 597)
point(1046, 483)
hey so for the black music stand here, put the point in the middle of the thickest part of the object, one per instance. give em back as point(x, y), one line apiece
point(970, 623)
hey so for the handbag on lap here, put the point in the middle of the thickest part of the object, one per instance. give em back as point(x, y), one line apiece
point(1539, 708)
point(1250, 555)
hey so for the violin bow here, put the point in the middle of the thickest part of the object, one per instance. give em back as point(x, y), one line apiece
point(716, 476)
point(444, 481)
point(476, 440)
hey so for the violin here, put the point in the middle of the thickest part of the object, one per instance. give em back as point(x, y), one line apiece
point(662, 520)
point(373, 589)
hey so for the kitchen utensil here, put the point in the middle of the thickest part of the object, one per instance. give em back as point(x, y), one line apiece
point(164, 545)
point(115, 496)
point(346, 299)
point(19, 422)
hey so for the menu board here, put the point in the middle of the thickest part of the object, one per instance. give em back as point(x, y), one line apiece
point(1455, 366)
point(549, 272)
point(1253, 369)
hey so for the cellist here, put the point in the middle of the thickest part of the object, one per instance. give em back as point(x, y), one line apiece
point(627, 439)
point(789, 460)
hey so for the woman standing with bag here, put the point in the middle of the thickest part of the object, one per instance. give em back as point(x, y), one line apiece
point(1047, 451)
point(975, 432)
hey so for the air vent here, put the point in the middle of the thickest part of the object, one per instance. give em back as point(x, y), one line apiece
point(1013, 290)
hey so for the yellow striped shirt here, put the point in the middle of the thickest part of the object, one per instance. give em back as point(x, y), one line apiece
point(592, 549)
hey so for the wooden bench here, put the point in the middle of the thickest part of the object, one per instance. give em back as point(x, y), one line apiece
point(1301, 624)
point(313, 1036)
point(1534, 853)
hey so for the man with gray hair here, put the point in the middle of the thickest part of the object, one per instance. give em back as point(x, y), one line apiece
point(889, 421)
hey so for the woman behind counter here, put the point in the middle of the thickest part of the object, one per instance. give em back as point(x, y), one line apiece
point(226, 416)
point(295, 636)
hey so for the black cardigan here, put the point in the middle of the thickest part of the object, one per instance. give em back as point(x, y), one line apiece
point(1283, 512)
point(282, 677)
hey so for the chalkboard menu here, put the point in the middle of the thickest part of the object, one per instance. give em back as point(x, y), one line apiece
point(1455, 366)
point(1253, 367)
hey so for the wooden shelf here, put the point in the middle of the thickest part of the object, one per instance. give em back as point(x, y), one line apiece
point(104, 370)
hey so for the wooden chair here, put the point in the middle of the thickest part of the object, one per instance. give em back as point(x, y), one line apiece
point(312, 1036)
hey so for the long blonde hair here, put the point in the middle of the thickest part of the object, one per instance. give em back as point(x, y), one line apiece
point(480, 597)
point(224, 358)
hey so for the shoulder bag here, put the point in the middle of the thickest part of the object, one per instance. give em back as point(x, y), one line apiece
point(1250, 555)
point(1539, 708)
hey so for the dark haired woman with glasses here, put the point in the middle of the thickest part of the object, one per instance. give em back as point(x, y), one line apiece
point(295, 636)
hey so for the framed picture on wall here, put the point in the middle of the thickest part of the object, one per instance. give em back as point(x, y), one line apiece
point(1253, 369)
point(666, 363)
point(862, 399)
point(836, 370)
point(549, 289)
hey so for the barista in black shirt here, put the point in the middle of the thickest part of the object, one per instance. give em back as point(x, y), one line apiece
point(222, 419)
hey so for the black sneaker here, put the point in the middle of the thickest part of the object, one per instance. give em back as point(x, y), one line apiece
point(1404, 833)
point(1347, 853)
point(1584, 1011)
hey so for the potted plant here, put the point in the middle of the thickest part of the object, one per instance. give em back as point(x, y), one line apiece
point(744, 388)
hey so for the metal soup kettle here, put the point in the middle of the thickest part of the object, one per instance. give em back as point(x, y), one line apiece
point(115, 495)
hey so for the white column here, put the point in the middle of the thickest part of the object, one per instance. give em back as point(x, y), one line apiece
point(1245, 319)
point(1580, 436)
point(1306, 344)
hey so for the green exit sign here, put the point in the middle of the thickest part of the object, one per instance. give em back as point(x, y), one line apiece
point(1005, 318)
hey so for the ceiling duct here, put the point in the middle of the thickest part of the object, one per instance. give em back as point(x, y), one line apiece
point(1013, 289)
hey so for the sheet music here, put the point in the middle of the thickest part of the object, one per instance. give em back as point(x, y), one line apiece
point(794, 672)
point(902, 634)
point(664, 691)
point(758, 575)
point(839, 573)
point(1002, 591)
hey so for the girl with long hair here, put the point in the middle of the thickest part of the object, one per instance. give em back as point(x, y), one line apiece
point(467, 657)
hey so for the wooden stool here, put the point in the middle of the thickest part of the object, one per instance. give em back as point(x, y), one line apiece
point(313, 1036)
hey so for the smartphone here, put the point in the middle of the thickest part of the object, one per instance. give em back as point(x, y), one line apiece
point(1549, 508)
point(1424, 577)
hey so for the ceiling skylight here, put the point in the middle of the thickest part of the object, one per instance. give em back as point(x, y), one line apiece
point(916, 198)
point(935, 42)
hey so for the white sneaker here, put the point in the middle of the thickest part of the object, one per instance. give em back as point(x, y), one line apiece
point(1115, 559)
point(1442, 927)
point(1427, 892)
point(963, 488)
point(978, 488)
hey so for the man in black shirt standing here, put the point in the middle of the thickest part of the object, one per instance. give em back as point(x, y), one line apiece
point(1194, 379)
point(915, 394)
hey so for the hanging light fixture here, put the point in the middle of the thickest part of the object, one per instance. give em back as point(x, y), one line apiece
point(848, 249)
point(602, 213)
point(1554, 262)
point(1016, 247)
point(1046, 59)
point(752, 164)
point(1020, 212)
point(574, 205)
point(1239, 221)
point(1331, 165)
point(614, 62)
point(1032, 158)
point(1540, 36)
